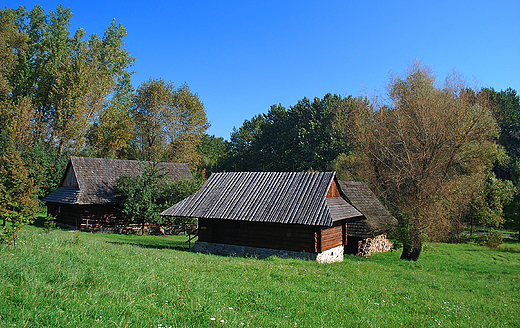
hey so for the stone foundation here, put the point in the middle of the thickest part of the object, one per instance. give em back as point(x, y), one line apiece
point(377, 244)
point(332, 255)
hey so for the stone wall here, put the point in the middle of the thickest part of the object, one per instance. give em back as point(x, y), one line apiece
point(377, 244)
point(332, 255)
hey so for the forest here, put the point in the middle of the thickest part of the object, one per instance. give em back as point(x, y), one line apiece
point(440, 154)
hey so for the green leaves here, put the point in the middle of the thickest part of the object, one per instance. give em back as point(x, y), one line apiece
point(144, 197)
point(67, 80)
point(170, 122)
point(309, 135)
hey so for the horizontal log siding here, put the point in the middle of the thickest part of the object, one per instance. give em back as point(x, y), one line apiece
point(293, 237)
point(77, 215)
point(331, 237)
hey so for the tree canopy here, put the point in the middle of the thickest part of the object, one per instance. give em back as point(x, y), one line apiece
point(307, 136)
point(426, 150)
point(170, 122)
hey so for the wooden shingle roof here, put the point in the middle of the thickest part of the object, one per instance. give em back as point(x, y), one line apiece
point(378, 219)
point(92, 180)
point(275, 197)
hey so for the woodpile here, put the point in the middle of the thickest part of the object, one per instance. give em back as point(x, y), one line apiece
point(377, 244)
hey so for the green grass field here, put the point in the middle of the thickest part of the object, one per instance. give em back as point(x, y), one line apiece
point(77, 279)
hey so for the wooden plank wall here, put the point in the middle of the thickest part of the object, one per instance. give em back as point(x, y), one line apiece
point(77, 215)
point(291, 237)
point(269, 235)
point(333, 190)
point(332, 237)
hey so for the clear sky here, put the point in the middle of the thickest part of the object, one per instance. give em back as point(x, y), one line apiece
point(241, 57)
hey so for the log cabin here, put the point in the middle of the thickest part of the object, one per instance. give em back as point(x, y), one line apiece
point(85, 196)
point(287, 214)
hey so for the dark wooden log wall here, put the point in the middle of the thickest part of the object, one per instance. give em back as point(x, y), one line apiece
point(292, 237)
point(78, 215)
point(332, 237)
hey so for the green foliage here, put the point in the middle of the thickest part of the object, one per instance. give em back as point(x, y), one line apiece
point(111, 135)
point(46, 167)
point(60, 82)
point(13, 223)
point(309, 135)
point(506, 105)
point(512, 210)
point(497, 194)
point(214, 151)
point(141, 194)
point(170, 122)
point(144, 197)
point(426, 151)
point(17, 192)
point(243, 153)
point(12, 42)
point(49, 223)
point(492, 239)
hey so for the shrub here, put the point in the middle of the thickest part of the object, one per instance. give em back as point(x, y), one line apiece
point(491, 239)
point(49, 223)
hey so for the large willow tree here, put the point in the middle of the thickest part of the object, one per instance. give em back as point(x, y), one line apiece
point(426, 148)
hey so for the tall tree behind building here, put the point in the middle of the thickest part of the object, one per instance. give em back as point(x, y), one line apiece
point(170, 123)
point(426, 149)
point(68, 79)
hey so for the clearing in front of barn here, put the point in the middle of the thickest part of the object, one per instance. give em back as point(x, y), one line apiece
point(80, 279)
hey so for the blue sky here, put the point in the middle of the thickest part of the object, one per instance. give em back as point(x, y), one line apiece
point(241, 57)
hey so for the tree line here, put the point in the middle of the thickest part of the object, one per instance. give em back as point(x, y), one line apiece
point(64, 93)
point(438, 154)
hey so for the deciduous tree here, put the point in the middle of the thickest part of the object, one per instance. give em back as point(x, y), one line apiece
point(17, 191)
point(67, 79)
point(427, 149)
point(170, 122)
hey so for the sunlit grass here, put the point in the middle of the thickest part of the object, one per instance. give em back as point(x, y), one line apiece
point(80, 279)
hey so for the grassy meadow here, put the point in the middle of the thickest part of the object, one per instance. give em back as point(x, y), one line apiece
point(78, 279)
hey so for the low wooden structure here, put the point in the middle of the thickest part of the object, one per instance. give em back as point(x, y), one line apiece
point(85, 197)
point(299, 212)
point(373, 225)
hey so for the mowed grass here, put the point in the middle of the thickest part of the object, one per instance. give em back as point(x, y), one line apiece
point(76, 279)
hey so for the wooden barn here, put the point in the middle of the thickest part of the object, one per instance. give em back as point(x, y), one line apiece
point(85, 196)
point(262, 213)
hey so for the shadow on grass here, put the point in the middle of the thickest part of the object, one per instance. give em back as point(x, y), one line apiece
point(150, 245)
point(39, 222)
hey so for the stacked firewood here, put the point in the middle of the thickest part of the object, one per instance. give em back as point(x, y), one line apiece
point(377, 244)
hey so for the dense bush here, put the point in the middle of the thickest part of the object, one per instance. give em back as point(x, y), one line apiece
point(491, 239)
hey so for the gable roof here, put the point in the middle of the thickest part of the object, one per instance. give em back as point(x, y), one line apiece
point(92, 180)
point(275, 197)
point(364, 200)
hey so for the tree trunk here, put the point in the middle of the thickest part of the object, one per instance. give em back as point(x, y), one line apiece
point(406, 252)
point(412, 252)
point(416, 252)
